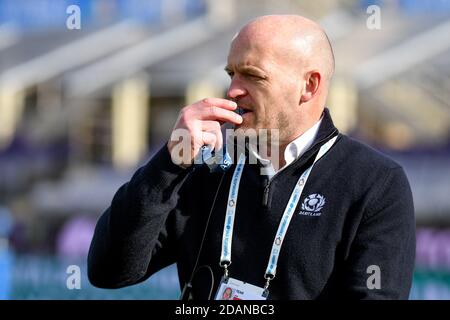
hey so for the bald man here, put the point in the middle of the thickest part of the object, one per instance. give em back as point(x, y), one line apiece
point(327, 218)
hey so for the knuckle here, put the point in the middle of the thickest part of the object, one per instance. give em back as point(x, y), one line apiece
point(206, 101)
point(184, 112)
point(187, 114)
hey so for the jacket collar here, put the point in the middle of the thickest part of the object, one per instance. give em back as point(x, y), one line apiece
point(327, 130)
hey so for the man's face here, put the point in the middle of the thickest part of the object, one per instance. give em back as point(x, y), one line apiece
point(264, 85)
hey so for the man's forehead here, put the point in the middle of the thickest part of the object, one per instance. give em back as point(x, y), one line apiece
point(246, 50)
point(246, 54)
point(252, 38)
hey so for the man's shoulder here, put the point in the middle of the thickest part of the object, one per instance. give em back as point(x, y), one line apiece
point(371, 171)
point(364, 156)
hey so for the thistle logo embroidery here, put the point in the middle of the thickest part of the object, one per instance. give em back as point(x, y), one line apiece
point(312, 205)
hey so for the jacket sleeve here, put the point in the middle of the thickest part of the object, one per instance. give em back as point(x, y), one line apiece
point(132, 238)
point(381, 260)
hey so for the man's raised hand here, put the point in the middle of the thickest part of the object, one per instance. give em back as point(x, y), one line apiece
point(199, 124)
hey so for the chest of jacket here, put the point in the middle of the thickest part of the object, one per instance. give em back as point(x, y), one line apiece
point(318, 237)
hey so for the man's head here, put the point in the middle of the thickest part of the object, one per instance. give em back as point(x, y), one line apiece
point(280, 68)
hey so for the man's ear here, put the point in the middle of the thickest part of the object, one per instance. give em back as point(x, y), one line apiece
point(311, 86)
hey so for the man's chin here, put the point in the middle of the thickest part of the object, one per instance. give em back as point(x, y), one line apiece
point(250, 129)
point(246, 126)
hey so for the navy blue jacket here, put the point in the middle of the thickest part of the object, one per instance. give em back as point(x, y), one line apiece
point(366, 219)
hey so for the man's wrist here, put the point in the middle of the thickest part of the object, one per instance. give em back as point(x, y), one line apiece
point(179, 164)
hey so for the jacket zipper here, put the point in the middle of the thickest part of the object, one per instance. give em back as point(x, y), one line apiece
point(266, 194)
point(265, 201)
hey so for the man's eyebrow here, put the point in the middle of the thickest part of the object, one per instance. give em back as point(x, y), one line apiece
point(250, 69)
point(245, 68)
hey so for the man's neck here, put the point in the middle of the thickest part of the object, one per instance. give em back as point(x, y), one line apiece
point(283, 144)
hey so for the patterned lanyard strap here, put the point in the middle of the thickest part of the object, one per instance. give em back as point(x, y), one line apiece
point(225, 257)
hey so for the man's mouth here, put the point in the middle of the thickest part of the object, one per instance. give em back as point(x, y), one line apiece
point(242, 110)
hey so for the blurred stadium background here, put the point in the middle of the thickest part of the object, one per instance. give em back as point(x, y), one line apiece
point(81, 109)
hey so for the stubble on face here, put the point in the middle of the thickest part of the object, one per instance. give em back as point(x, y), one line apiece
point(284, 125)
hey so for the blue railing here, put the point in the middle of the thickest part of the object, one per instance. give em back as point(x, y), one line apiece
point(43, 14)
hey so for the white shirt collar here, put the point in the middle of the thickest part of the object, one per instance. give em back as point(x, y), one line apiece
point(294, 150)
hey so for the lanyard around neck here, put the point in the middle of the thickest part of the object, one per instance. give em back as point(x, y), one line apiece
point(225, 257)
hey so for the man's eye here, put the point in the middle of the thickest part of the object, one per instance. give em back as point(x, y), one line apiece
point(254, 77)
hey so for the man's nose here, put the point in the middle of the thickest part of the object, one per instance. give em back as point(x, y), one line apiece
point(236, 90)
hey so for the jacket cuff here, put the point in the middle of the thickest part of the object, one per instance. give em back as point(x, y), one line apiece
point(163, 161)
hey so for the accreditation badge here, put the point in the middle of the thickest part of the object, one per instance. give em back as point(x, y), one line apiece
point(233, 289)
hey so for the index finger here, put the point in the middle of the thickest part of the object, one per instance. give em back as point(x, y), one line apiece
point(219, 114)
point(219, 102)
